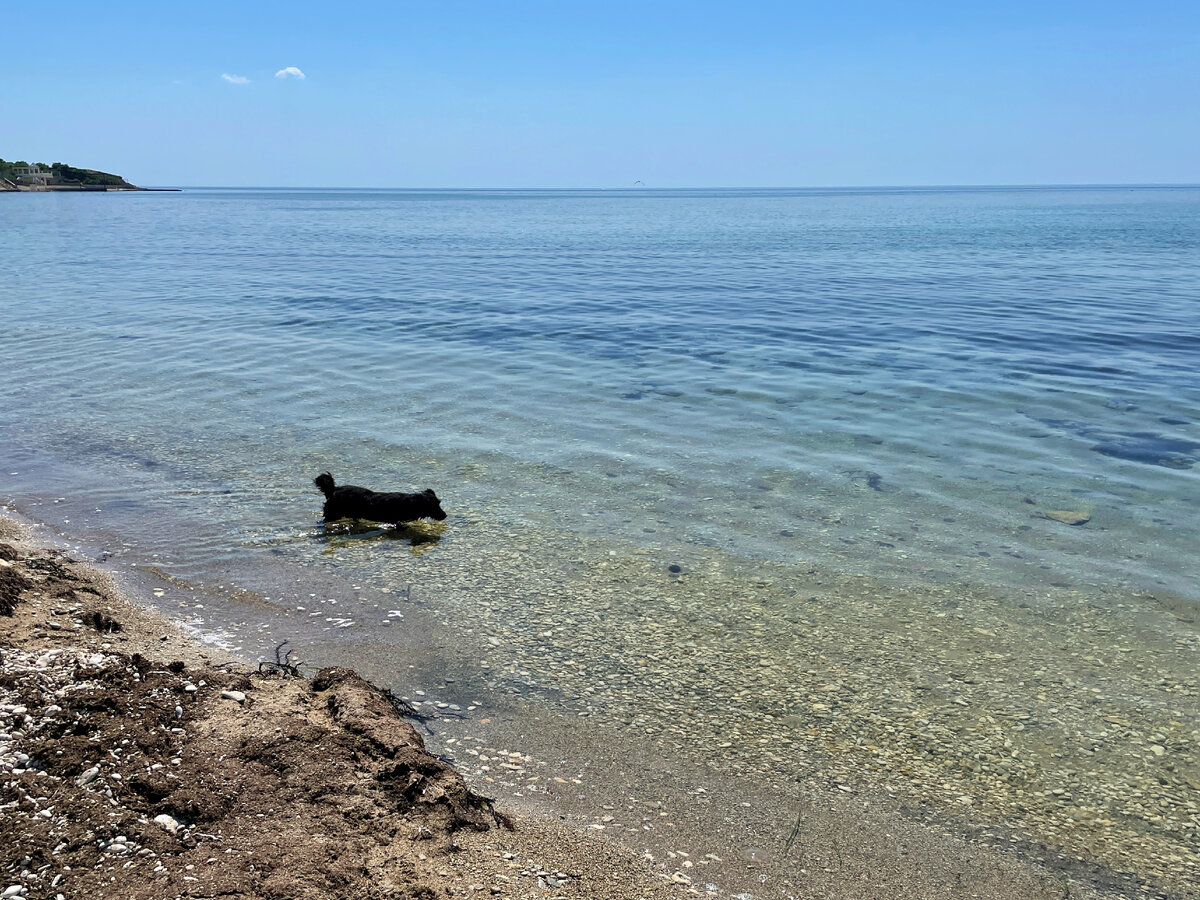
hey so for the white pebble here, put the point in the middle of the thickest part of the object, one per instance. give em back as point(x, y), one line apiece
point(167, 822)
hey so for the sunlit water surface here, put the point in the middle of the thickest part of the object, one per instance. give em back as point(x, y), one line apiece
point(693, 401)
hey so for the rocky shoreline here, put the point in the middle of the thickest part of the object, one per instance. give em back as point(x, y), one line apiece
point(80, 188)
point(216, 777)
point(137, 763)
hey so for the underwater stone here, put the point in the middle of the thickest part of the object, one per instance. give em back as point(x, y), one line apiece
point(1066, 516)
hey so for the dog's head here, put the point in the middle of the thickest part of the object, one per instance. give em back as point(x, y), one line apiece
point(325, 482)
point(434, 509)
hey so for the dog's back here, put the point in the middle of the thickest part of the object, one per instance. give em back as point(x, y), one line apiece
point(349, 501)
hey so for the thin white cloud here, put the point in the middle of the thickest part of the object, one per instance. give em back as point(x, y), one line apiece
point(236, 79)
point(289, 72)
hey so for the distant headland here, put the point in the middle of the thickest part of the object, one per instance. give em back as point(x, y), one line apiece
point(23, 176)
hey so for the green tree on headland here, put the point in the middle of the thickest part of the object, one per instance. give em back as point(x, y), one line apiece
point(85, 176)
point(8, 169)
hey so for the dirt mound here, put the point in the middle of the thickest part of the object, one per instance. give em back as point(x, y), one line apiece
point(121, 776)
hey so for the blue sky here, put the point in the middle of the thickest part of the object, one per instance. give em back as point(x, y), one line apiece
point(520, 94)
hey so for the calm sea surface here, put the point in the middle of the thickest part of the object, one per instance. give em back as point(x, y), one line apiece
point(762, 410)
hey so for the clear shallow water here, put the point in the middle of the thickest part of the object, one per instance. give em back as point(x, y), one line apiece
point(728, 368)
point(743, 384)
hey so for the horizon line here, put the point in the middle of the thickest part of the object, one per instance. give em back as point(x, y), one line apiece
point(644, 188)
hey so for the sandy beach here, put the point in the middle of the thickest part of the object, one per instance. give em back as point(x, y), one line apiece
point(138, 762)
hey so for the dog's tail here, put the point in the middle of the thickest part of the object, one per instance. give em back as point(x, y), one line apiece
point(325, 482)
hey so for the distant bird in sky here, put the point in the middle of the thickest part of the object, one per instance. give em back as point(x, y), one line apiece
point(639, 181)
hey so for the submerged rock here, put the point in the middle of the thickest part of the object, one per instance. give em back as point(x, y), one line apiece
point(1066, 516)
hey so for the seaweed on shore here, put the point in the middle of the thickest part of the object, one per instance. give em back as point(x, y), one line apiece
point(282, 666)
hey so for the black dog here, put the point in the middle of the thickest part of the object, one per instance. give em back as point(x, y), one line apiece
point(352, 502)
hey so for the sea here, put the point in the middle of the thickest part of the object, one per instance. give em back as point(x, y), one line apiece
point(823, 434)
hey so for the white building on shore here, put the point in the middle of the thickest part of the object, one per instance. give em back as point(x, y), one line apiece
point(33, 175)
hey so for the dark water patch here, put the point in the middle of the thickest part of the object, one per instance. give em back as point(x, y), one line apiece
point(1146, 447)
point(1151, 449)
